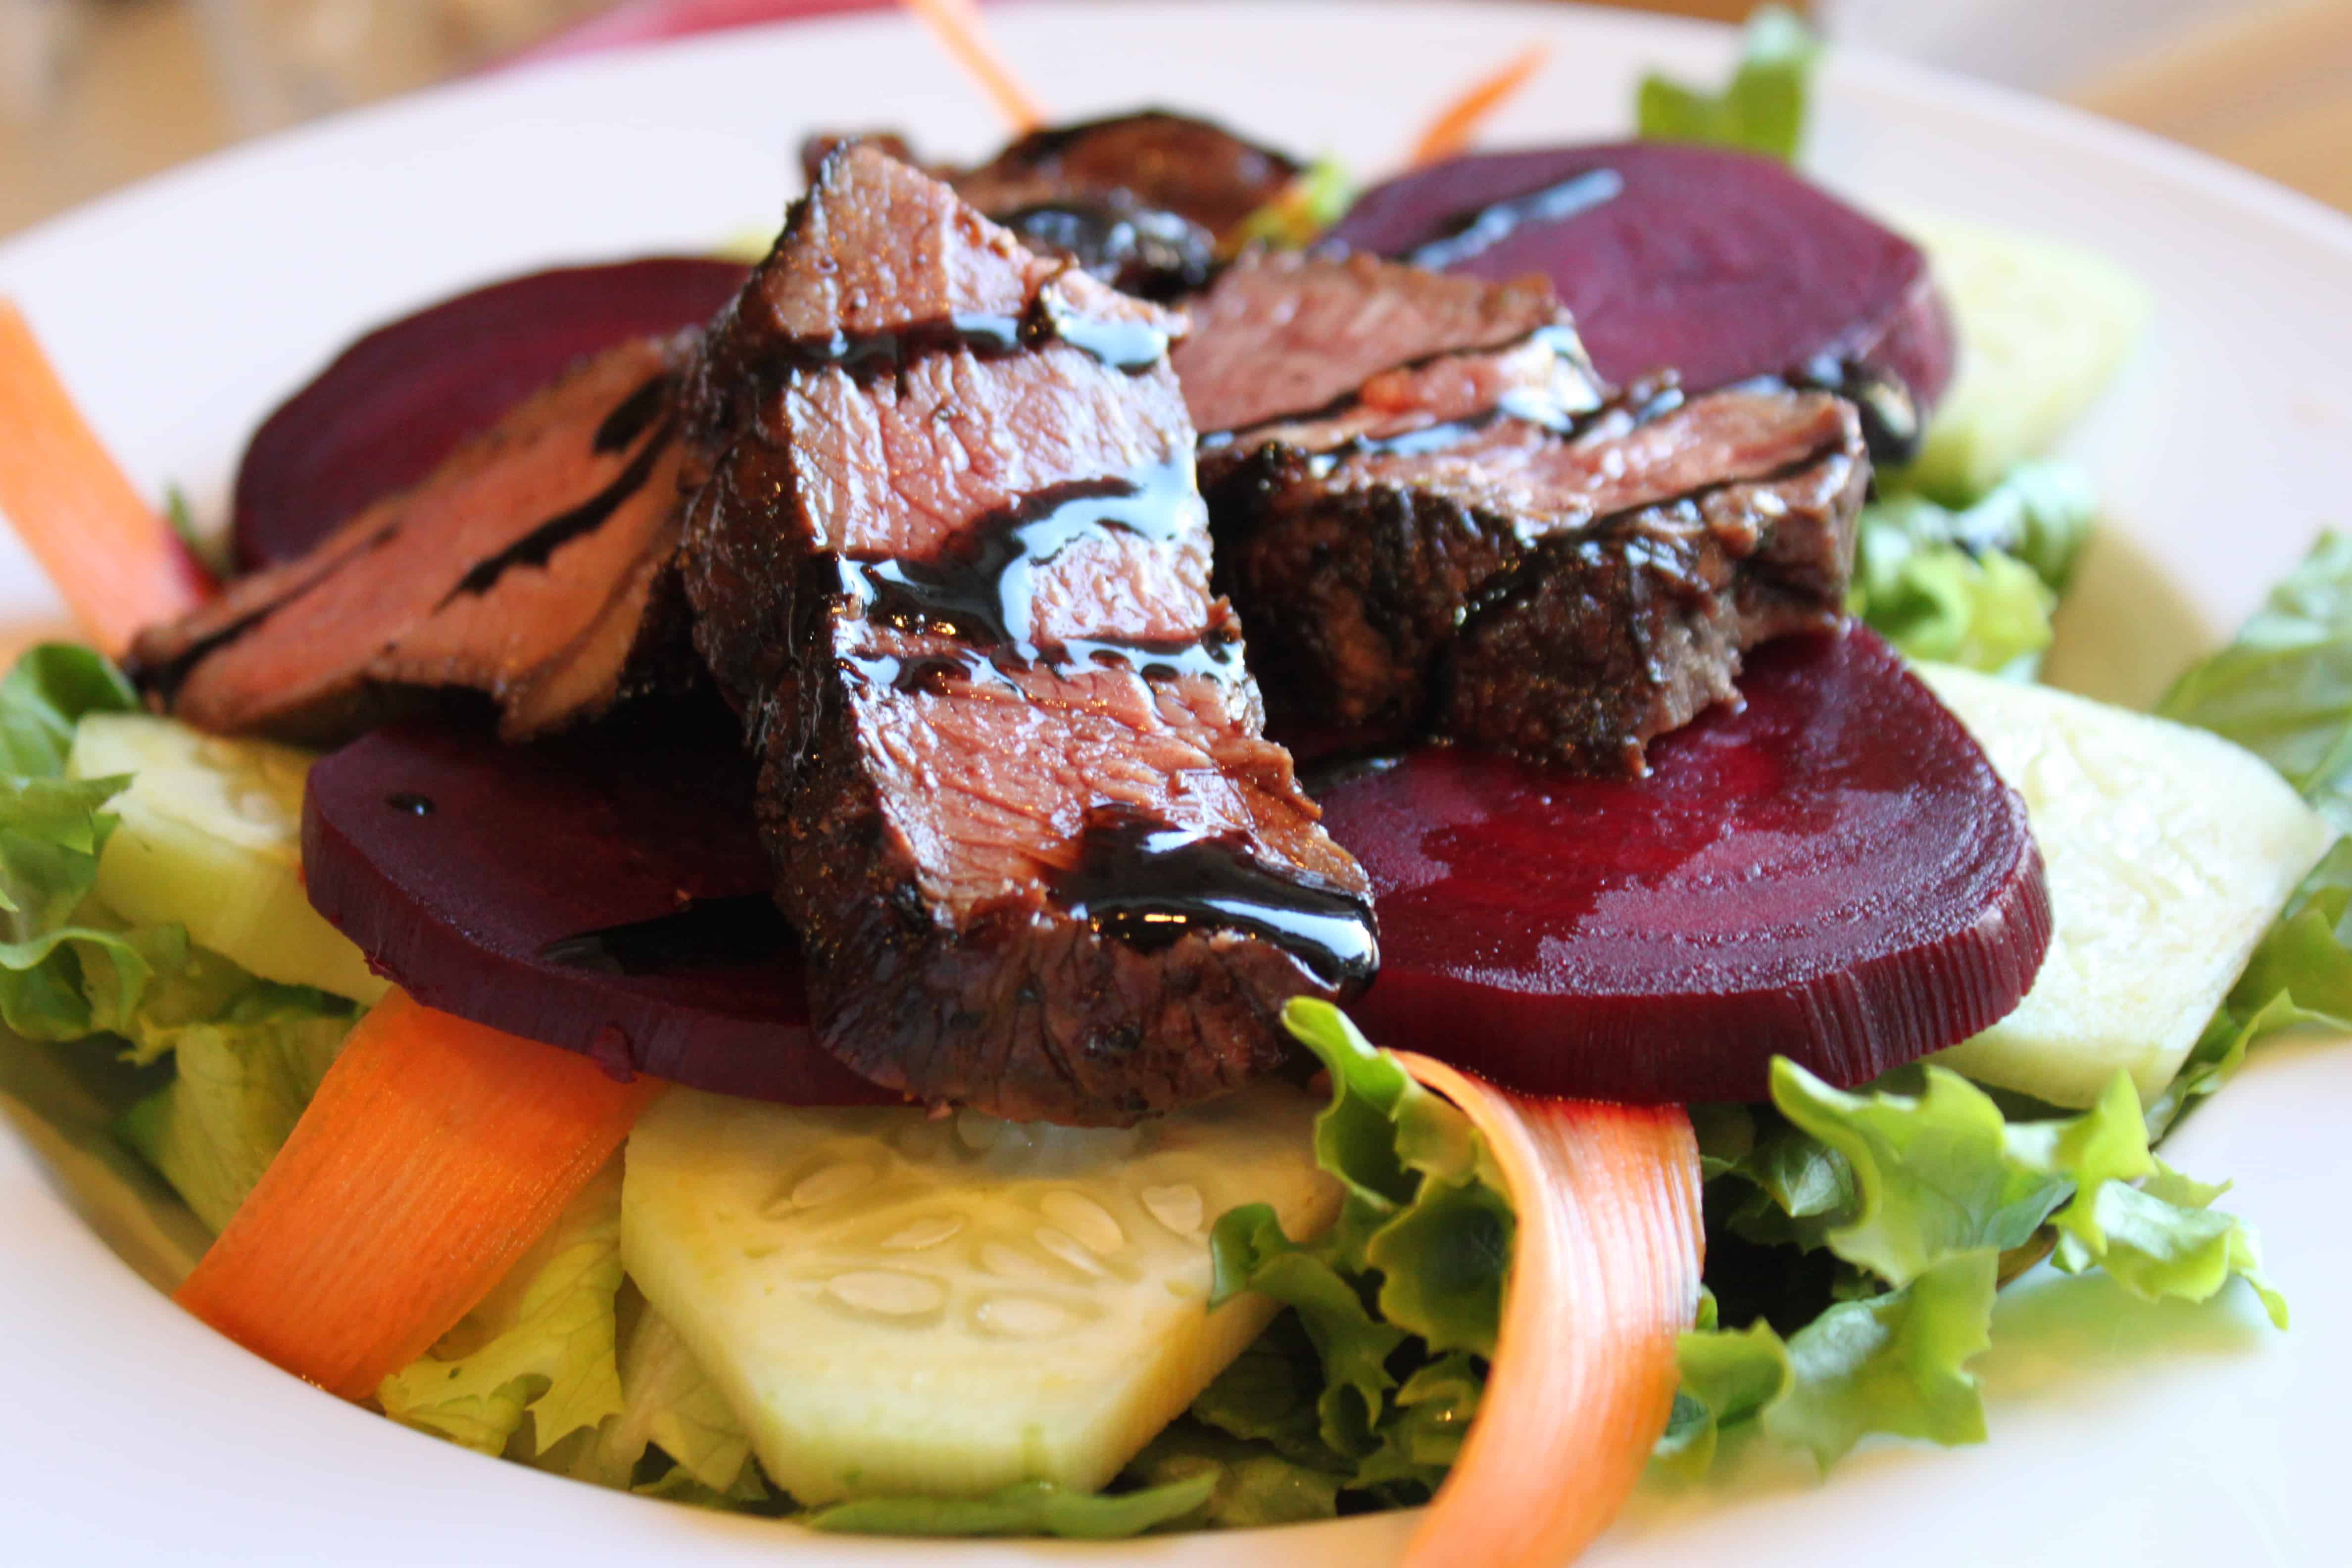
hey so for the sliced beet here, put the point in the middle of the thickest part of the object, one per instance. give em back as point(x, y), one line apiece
point(1833, 873)
point(606, 892)
point(1716, 264)
point(395, 402)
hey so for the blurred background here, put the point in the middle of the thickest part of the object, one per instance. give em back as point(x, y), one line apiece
point(95, 94)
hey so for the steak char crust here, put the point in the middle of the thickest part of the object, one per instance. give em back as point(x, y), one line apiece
point(1440, 523)
point(953, 572)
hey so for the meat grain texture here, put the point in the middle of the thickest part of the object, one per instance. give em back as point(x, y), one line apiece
point(535, 567)
point(1480, 540)
point(952, 570)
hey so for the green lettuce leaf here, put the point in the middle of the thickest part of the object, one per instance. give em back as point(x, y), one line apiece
point(1250, 1487)
point(42, 700)
point(67, 970)
point(1891, 1363)
point(2283, 689)
point(1926, 1195)
point(1729, 1376)
point(1975, 587)
point(1026, 1508)
point(1761, 108)
point(245, 1071)
point(668, 1402)
point(1372, 1375)
point(541, 1342)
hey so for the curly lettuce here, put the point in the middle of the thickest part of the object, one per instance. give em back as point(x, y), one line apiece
point(1399, 1301)
point(67, 969)
point(1975, 586)
point(2283, 688)
point(541, 1344)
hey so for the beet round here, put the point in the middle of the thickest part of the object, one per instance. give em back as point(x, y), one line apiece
point(474, 875)
point(1834, 874)
point(395, 402)
point(1716, 264)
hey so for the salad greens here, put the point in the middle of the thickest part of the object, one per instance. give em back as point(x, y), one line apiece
point(1761, 108)
point(2284, 689)
point(1975, 586)
point(245, 1055)
point(543, 1342)
point(244, 1072)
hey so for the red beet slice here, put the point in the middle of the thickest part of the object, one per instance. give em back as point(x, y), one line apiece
point(605, 892)
point(400, 399)
point(1834, 874)
point(1716, 264)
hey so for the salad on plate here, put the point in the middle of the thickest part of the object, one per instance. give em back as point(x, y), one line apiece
point(1128, 840)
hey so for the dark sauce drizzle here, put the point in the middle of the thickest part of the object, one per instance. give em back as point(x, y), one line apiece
point(165, 678)
point(707, 934)
point(1637, 406)
point(1136, 880)
point(635, 414)
point(540, 545)
point(1134, 248)
point(985, 594)
point(1132, 347)
point(1891, 426)
point(1471, 233)
point(1143, 881)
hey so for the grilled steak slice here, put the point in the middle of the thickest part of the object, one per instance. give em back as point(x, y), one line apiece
point(535, 566)
point(1142, 201)
point(953, 569)
point(1481, 543)
point(1173, 163)
point(1563, 597)
point(1283, 339)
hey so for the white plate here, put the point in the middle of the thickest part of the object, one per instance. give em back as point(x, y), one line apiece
point(180, 309)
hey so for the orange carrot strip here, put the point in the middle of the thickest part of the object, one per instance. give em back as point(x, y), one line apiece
point(1457, 124)
point(1603, 1280)
point(118, 565)
point(436, 1152)
point(959, 29)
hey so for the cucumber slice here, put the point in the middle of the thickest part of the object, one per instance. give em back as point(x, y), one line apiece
point(2169, 852)
point(895, 1304)
point(211, 836)
point(2042, 327)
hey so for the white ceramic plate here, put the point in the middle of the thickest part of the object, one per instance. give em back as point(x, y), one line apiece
point(181, 310)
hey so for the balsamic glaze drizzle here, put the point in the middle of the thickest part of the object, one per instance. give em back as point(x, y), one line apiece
point(635, 414)
point(707, 934)
point(1891, 426)
point(1132, 347)
point(985, 594)
point(1470, 233)
point(536, 547)
point(1143, 881)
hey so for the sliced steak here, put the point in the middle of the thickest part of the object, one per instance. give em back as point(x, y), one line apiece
point(1481, 543)
point(1173, 163)
point(534, 565)
point(1287, 339)
point(953, 569)
point(1144, 201)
